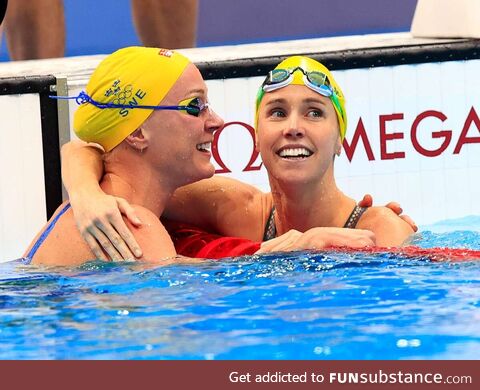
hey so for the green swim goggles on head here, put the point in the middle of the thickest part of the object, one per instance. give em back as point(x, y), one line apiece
point(279, 78)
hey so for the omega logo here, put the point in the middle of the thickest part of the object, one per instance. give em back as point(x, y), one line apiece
point(446, 136)
point(253, 158)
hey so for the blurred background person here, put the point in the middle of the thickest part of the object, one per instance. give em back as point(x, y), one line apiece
point(35, 29)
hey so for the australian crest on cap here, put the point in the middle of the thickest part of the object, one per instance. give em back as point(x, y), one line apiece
point(165, 52)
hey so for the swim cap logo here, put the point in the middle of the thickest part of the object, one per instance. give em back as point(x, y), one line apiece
point(114, 89)
point(123, 96)
point(165, 53)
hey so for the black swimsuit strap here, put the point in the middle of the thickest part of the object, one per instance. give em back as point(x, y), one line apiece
point(270, 228)
point(354, 217)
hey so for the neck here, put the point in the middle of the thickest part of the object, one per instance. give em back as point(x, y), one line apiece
point(314, 204)
point(134, 179)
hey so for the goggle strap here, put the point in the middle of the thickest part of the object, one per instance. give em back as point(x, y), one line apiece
point(83, 98)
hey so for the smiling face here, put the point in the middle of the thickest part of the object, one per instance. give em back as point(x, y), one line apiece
point(298, 134)
point(179, 142)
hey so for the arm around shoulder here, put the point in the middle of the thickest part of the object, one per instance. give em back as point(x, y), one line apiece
point(82, 165)
point(223, 205)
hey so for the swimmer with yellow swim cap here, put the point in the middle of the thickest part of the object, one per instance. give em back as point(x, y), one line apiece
point(148, 109)
point(301, 124)
point(125, 79)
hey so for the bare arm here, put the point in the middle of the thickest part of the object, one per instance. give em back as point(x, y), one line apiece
point(223, 205)
point(98, 216)
point(319, 238)
point(82, 167)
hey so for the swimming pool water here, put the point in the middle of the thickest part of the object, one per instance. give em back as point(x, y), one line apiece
point(278, 306)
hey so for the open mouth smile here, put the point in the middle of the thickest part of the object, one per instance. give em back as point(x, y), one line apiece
point(294, 153)
point(205, 147)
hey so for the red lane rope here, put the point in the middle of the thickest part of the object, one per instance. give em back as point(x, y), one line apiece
point(194, 242)
point(434, 254)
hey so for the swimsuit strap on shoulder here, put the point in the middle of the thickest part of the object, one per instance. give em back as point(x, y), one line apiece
point(270, 228)
point(28, 259)
point(354, 217)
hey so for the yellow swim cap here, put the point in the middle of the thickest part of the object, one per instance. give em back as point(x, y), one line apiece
point(132, 76)
point(310, 65)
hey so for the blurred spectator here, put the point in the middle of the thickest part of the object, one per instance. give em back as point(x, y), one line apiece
point(36, 28)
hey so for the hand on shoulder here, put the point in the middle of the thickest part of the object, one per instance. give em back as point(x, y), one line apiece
point(389, 228)
point(367, 201)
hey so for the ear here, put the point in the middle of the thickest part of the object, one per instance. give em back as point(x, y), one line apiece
point(257, 146)
point(256, 141)
point(138, 140)
point(338, 147)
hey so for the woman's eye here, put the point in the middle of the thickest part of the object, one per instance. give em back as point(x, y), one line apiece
point(315, 113)
point(277, 113)
point(195, 102)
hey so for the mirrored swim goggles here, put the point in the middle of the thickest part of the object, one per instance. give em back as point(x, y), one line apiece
point(279, 78)
point(191, 106)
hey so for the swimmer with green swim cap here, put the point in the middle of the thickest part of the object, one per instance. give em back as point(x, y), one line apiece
point(301, 124)
point(300, 70)
point(148, 109)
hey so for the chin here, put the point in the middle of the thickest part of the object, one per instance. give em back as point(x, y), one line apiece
point(296, 180)
point(292, 177)
point(206, 172)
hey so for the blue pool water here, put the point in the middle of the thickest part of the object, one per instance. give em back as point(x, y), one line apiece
point(289, 306)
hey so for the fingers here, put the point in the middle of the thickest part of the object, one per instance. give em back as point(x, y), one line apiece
point(101, 223)
point(127, 210)
point(268, 246)
point(95, 248)
point(124, 241)
point(367, 201)
point(282, 243)
point(95, 234)
point(279, 247)
point(395, 207)
point(410, 221)
point(111, 240)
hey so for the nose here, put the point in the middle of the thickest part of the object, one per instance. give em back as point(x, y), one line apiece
point(213, 122)
point(293, 128)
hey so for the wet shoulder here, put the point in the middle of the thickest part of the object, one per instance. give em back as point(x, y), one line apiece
point(389, 228)
point(152, 236)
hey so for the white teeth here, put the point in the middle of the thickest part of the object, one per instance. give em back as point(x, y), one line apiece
point(296, 152)
point(205, 147)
